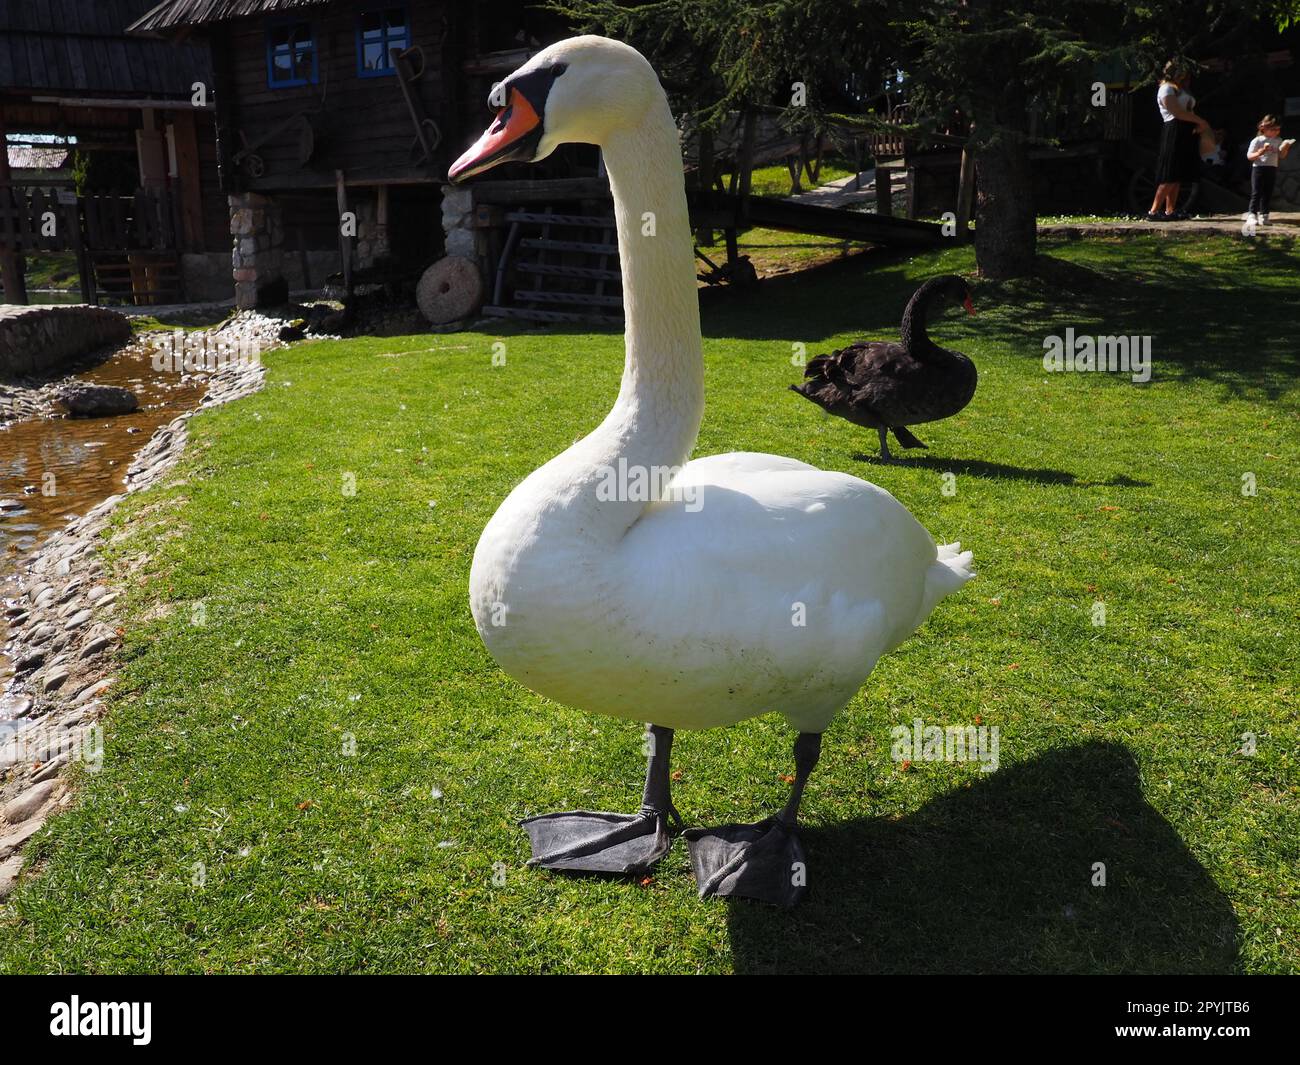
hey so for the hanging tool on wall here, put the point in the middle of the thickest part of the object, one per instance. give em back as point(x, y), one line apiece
point(409, 64)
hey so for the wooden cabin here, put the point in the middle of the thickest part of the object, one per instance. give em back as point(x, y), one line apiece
point(70, 75)
point(353, 110)
point(337, 108)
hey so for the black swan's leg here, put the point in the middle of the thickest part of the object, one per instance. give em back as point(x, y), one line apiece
point(590, 841)
point(904, 437)
point(884, 445)
point(763, 861)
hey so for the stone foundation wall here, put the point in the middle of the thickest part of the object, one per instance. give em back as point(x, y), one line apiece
point(205, 276)
point(458, 223)
point(311, 275)
point(38, 340)
point(1286, 193)
point(372, 238)
point(258, 256)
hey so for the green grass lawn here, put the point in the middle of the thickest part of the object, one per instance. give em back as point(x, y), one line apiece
point(775, 180)
point(338, 752)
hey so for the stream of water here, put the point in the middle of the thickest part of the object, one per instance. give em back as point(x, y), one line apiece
point(53, 469)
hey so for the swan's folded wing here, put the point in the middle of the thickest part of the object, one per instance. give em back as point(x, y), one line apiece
point(781, 563)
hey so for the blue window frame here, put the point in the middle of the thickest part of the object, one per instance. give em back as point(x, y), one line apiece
point(291, 57)
point(378, 32)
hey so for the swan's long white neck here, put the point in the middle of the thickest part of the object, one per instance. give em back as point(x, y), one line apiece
point(663, 377)
point(653, 424)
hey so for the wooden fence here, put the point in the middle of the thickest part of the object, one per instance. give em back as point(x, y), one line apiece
point(126, 246)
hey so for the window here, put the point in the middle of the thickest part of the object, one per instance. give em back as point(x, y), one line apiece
point(290, 55)
point(378, 32)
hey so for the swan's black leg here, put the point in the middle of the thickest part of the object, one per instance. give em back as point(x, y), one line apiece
point(590, 841)
point(763, 861)
point(884, 445)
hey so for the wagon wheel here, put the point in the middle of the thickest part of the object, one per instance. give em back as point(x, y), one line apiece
point(254, 166)
point(1142, 190)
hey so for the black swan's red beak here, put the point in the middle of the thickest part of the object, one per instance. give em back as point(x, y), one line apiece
point(970, 307)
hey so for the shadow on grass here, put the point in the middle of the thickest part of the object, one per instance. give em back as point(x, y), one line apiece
point(979, 468)
point(996, 877)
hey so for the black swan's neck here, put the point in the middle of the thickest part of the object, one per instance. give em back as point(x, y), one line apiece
point(915, 338)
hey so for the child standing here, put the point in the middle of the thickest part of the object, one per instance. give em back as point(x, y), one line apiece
point(1266, 151)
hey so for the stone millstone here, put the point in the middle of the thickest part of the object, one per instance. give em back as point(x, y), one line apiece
point(451, 289)
point(97, 401)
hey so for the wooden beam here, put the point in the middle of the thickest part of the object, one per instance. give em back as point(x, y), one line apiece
point(345, 242)
point(131, 105)
point(745, 160)
point(11, 260)
point(189, 177)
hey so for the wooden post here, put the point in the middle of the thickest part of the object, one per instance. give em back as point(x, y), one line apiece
point(884, 190)
point(705, 171)
point(11, 258)
point(345, 243)
point(745, 163)
point(381, 222)
point(965, 193)
point(85, 270)
point(188, 176)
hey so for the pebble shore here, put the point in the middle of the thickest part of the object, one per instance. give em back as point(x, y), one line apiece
point(64, 629)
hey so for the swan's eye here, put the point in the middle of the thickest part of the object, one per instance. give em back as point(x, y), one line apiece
point(558, 69)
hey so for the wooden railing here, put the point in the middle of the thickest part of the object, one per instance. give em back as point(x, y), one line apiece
point(126, 246)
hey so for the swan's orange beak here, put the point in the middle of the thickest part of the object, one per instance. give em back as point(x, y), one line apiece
point(970, 307)
point(513, 136)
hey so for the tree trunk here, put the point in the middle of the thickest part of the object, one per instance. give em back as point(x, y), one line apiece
point(1005, 225)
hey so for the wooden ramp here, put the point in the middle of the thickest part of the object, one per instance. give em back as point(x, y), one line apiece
point(722, 211)
point(561, 265)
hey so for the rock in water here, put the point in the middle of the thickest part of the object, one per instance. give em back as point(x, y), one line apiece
point(97, 401)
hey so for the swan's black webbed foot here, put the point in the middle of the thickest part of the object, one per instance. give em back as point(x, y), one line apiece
point(763, 861)
point(590, 841)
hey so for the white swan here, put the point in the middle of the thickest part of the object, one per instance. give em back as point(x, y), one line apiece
point(748, 584)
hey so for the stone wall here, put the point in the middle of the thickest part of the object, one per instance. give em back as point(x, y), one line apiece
point(258, 257)
point(205, 277)
point(1286, 194)
point(35, 341)
point(458, 222)
point(372, 238)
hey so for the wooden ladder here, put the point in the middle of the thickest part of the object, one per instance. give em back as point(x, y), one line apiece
point(562, 271)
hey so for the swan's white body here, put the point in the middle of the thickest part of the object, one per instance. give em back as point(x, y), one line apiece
point(754, 583)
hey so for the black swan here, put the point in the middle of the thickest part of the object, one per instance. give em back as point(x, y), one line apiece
point(888, 386)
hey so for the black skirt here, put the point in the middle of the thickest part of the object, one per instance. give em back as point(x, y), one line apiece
point(1179, 158)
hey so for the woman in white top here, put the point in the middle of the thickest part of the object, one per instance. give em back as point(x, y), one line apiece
point(1179, 158)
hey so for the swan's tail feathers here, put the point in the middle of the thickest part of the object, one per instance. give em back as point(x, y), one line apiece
point(904, 437)
point(949, 571)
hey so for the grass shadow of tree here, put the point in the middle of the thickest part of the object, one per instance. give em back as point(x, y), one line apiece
point(997, 877)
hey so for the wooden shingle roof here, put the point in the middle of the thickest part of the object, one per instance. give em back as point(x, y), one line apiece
point(81, 47)
point(175, 14)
